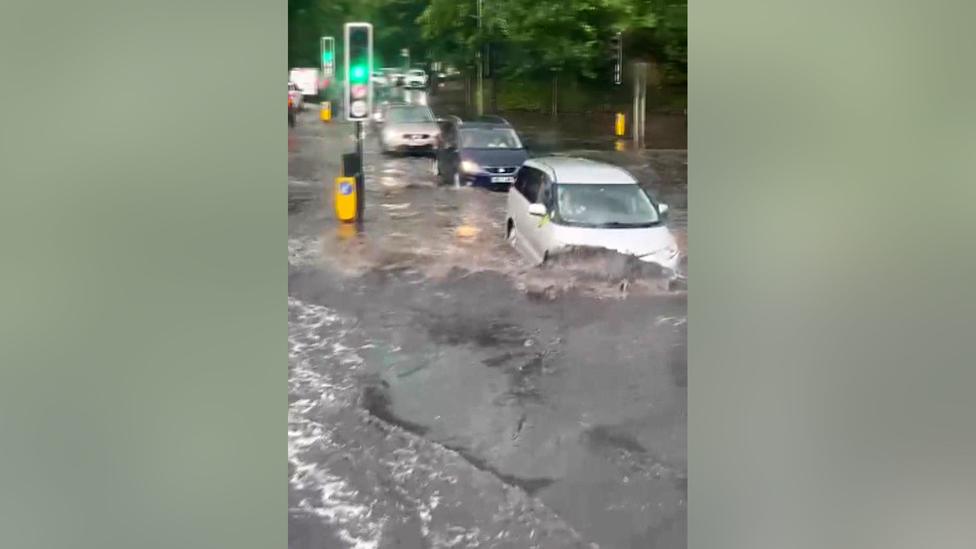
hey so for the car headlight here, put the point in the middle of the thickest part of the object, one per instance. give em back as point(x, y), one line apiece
point(468, 166)
point(388, 134)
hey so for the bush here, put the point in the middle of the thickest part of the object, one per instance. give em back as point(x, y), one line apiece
point(578, 95)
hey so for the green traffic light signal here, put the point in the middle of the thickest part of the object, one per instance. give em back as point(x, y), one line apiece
point(357, 73)
point(358, 55)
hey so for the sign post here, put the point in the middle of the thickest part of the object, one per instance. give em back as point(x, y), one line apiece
point(617, 57)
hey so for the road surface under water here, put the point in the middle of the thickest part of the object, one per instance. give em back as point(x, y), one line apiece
point(445, 394)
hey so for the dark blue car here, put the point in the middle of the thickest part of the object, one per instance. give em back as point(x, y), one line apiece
point(482, 152)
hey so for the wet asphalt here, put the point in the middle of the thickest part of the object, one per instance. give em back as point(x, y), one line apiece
point(442, 393)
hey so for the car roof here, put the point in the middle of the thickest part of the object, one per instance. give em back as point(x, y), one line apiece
point(570, 170)
point(486, 121)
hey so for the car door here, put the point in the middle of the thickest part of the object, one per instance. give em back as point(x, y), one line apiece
point(525, 192)
point(446, 152)
point(539, 232)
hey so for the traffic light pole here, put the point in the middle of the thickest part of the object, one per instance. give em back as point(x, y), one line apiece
point(360, 175)
point(358, 41)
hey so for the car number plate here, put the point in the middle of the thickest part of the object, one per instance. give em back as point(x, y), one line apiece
point(505, 179)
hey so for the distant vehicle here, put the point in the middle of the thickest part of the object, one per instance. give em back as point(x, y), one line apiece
point(385, 97)
point(380, 79)
point(394, 77)
point(291, 109)
point(408, 127)
point(415, 78)
point(295, 93)
point(307, 80)
point(562, 202)
point(481, 152)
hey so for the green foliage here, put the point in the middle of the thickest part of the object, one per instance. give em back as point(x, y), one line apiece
point(531, 37)
point(527, 37)
point(527, 96)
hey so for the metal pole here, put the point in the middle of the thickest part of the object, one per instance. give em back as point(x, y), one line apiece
point(361, 175)
point(634, 119)
point(640, 99)
point(643, 107)
point(555, 93)
point(480, 94)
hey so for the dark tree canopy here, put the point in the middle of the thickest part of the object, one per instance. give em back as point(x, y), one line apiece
point(526, 36)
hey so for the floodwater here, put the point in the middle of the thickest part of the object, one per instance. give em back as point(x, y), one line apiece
point(443, 393)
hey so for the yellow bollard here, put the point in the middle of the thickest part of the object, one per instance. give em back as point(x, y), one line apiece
point(620, 124)
point(344, 198)
point(325, 111)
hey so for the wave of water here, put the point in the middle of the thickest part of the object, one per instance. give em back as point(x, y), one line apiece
point(366, 482)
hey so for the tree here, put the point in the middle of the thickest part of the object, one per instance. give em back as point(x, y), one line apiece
point(538, 35)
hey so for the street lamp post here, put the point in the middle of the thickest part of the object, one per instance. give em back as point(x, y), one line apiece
point(480, 92)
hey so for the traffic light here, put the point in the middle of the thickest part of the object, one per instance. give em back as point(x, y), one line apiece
point(358, 68)
point(328, 56)
point(616, 52)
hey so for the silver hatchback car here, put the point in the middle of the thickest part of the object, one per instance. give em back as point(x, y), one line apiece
point(562, 202)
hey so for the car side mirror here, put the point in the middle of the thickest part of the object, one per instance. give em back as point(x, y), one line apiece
point(538, 210)
point(662, 208)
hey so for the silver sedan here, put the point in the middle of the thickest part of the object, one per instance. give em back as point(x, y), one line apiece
point(408, 127)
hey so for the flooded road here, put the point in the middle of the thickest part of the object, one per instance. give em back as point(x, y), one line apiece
point(445, 394)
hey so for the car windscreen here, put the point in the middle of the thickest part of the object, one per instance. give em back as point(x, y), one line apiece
point(410, 114)
point(489, 138)
point(605, 206)
point(383, 94)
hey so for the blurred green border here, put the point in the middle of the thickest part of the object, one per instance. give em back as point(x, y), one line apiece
point(144, 330)
point(831, 302)
point(144, 167)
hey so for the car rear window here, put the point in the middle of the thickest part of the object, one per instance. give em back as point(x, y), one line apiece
point(410, 114)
